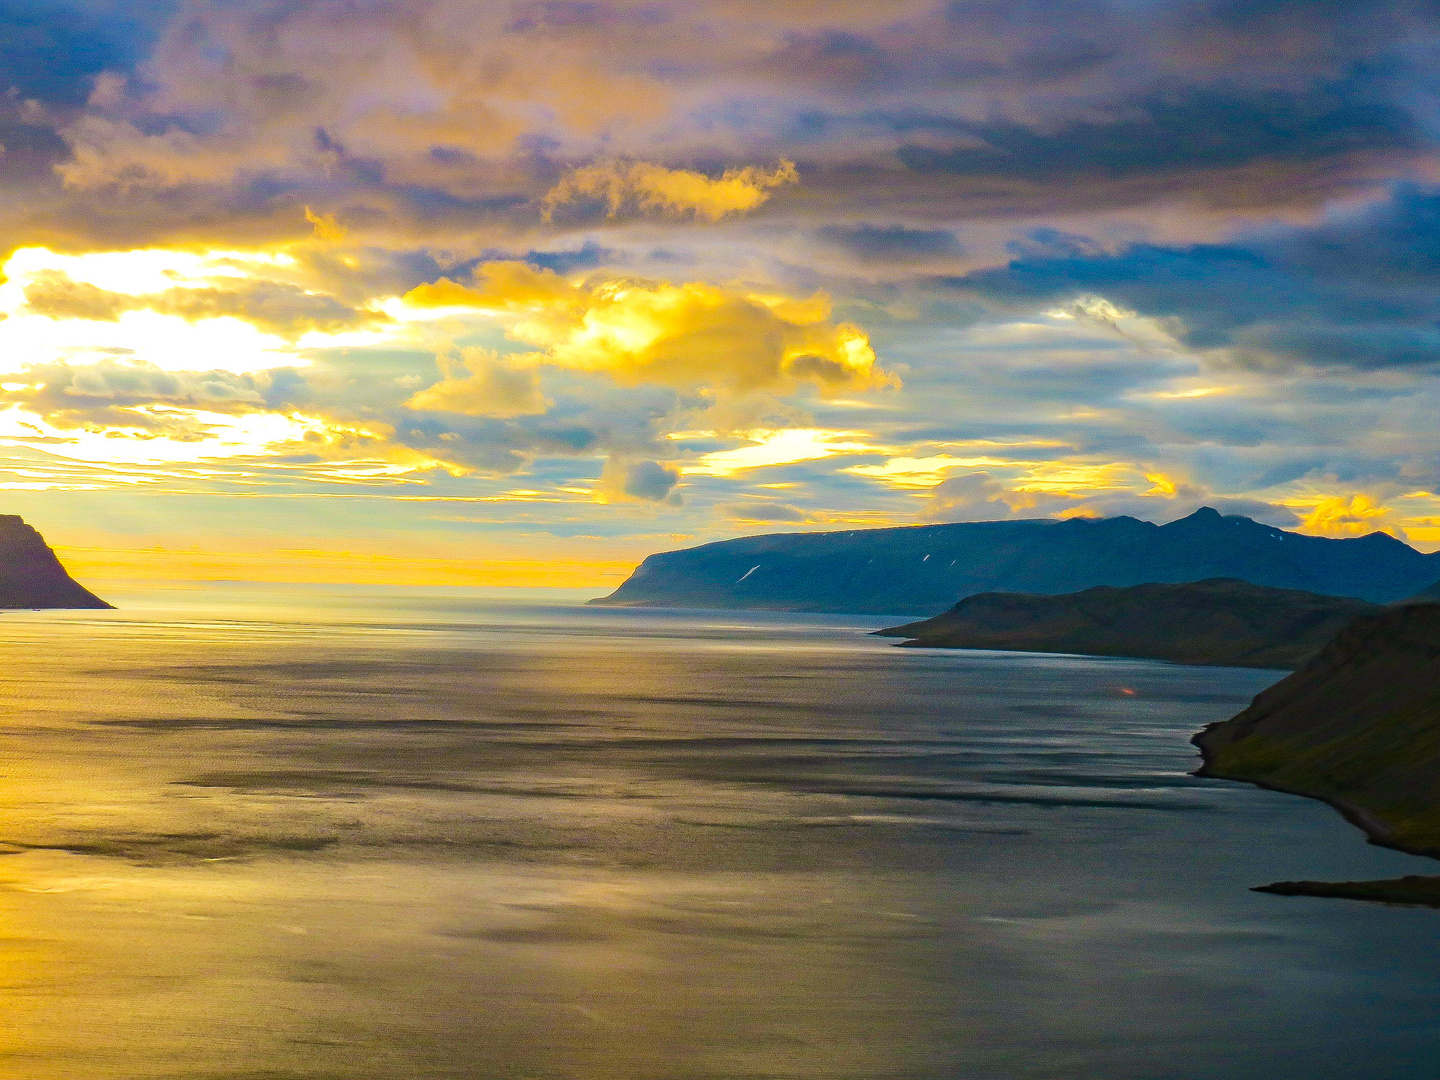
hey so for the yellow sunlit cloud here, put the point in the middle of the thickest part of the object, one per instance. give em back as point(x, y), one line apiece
point(924, 472)
point(687, 336)
point(1195, 392)
point(136, 273)
point(252, 434)
point(361, 455)
point(1338, 515)
point(677, 191)
point(123, 315)
point(168, 340)
point(1065, 477)
point(785, 447)
point(479, 383)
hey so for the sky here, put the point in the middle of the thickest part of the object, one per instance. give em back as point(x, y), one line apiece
point(516, 293)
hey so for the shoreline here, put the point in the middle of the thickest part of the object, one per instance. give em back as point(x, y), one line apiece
point(1375, 830)
point(1412, 890)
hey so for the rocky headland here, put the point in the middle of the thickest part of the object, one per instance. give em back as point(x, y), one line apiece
point(30, 574)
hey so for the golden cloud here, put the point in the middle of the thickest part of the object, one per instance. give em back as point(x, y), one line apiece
point(688, 336)
point(275, 307)
point(678, 191)
point(1358, 515)
point(480, 384)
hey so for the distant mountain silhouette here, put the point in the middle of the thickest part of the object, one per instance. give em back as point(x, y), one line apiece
point(922, 570)
point(30, 574)
point(1220, 621)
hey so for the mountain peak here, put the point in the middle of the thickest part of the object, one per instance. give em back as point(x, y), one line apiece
point(1206, 515)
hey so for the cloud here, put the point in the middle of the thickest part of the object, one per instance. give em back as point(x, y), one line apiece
point(639, 481)
point(1356, 291)
point(1123, 197)
point(983, 496)
point(480, 384)
point(962, 498)
point(446, 119)
point(647, 187)
point(689, 336)
point(1357, 515)
point(1153, 135)
point(97, 395)
point(278, 307)
point(893, 243)
point(762, 512)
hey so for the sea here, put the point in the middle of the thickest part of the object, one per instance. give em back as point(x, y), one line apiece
point(326, 833)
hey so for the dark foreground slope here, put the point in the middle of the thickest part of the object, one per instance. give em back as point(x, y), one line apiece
point(1220, 621)
point(924, 569)
point(30, 574)
point(1426, 596)
point(1359, 727)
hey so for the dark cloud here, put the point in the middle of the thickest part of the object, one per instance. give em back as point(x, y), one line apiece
point(415, 121)
point(1357, 291)
point(765, 512)
point(1199, 129)
point(893, 243)
point(649, 481)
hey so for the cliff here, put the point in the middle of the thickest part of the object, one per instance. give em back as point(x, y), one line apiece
point(30, 574)
point(923, 570)
point(1221, 621)
point(1358, 726)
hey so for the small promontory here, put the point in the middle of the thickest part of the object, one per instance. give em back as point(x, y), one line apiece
point(1358, 727)
point(30, 574)
point(1220, 621)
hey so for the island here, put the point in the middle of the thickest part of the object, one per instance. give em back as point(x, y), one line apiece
point(1219, 621)
point(31, 575)
point(1357, 727)
point(922, 570)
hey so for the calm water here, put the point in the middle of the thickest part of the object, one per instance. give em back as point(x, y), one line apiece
point(317, 834)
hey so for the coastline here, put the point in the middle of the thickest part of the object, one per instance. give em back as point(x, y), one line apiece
point(1413, 890)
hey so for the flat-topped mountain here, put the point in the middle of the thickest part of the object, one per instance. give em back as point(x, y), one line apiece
point(924, 569)
point(1221, 621)
point(1359, 727)
point(30, 574)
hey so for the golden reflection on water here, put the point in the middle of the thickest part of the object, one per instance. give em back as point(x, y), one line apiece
point(399, 970)
point(222, 860)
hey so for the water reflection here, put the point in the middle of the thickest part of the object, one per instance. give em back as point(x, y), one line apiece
point(311, 834)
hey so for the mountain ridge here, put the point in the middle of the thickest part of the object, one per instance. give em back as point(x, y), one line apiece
point(925, 569)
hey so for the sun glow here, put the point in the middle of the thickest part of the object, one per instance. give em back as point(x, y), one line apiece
point(202, 436)
point(170, 309)
point(785, 447)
